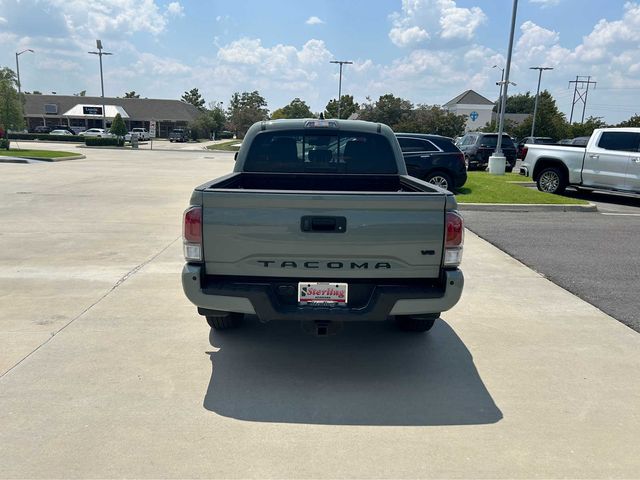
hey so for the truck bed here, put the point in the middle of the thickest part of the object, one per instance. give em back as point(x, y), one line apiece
point(323, 226)
point(301, 182)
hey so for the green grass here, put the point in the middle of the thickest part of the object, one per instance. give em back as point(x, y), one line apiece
point(482, 187)
point(34, 153)
point(226, 146)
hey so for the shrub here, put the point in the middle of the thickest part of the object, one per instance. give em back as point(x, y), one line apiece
point(4, 143)
point(46, 136)
point(103, 142)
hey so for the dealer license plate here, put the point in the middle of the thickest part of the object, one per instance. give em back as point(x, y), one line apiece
point(310, 293)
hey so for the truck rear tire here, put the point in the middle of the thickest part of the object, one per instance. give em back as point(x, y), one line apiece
point(224, 322)
point(421, 323)
point(551, 180)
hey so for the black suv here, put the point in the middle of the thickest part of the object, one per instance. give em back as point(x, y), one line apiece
point(478, 147)
point(434, 159)
point(538, 140)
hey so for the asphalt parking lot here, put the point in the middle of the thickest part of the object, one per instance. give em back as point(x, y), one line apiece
point(106, 370)
point(593, 255)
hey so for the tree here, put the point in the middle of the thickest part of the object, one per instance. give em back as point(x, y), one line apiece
point(586, 128)
point(388, 109)
point(296, 109)
point(82, 93)
point(133, 94)
point(211, 120)
point(194, 98)
point(432, 119)
point(519, 103)
point(118, 127)
point(11, 114)
point(633, 121)
point(550, 122)
point(347, 107)
point(245, 109)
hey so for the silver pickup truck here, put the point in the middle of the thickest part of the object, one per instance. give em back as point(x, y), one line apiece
point(610, 161)
point(319, 222)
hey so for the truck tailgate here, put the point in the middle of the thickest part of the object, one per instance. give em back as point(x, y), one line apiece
point(343, 235)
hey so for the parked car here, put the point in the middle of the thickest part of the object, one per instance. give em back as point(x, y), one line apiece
point(66, 128)
point(60, 132)
point(478, 147)
point(434, 159)
point(141, 133)
point(42, 129)
point(610, 161)
point(320, 223)
point(224, 134)
point(580, 141)
point(95, 132)
point(532, 140)
point(179, 135)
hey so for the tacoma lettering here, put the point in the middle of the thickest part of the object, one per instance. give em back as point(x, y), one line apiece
point(315, 264)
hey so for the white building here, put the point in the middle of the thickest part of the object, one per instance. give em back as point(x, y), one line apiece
point(474, 106)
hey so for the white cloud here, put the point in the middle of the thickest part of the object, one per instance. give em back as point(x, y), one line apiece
point(422, 20)
point(3, 21)
point(175, 9)
point(404, 37)
point(86, 19)
point(314, 21)
point(314, 52)
point(460, 22)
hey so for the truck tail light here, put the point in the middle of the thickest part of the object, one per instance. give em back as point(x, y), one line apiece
point(454, 240)
point(524, 153)
point(192, 234)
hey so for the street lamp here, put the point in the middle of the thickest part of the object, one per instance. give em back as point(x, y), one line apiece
point(18, 67)
point(340, 62)
point(500, 83)
point(535, 108)
point(497, 161)
point(100, 53)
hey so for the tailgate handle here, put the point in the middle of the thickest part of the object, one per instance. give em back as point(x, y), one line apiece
point(323, 224)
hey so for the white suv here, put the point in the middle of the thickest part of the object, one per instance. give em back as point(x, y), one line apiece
point(95, 132)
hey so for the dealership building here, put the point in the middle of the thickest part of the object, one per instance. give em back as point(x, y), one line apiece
point(87, 112)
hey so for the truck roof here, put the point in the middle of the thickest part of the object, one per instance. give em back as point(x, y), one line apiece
point(331, 124)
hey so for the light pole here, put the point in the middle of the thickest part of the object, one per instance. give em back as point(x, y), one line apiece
point(100, 53)
point(18, 68)
point(499, 96)
point(340, 62)
point(535, 108)
point(497, 161)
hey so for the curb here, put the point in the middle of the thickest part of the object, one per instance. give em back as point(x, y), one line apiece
point(523, 207)
point(24, 159)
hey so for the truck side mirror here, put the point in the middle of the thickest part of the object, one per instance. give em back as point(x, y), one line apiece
point(235, 157)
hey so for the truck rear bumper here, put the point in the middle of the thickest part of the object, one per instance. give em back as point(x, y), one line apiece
point(273, 300)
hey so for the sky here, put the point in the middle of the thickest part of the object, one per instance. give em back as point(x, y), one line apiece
point(426, 51)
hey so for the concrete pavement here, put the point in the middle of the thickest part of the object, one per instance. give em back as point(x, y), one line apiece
point(109, 372)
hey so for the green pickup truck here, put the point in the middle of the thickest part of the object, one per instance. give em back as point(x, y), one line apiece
point(319, 222)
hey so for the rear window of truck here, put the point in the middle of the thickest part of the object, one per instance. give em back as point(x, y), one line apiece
point(322, 152)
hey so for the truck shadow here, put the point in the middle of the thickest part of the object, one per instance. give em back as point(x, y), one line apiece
point(368, 374)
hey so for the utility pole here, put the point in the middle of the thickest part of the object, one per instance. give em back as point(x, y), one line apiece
point(100, 53)
point(341, 63)
point(535, 108)
point(579, 84)
point(497, 161)
point(500, 96)
point(18, 68)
